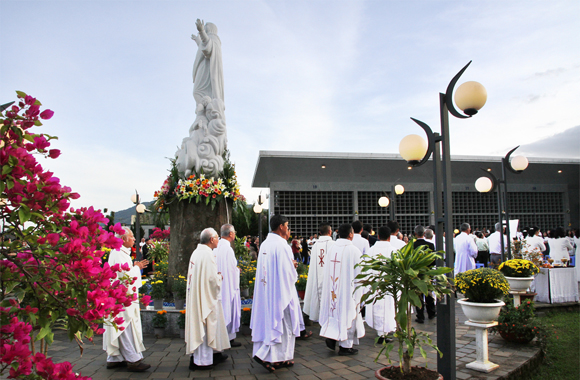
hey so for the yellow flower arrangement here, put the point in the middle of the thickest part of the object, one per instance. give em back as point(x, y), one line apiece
point(301, 283)
point(483, 285)
point(518, 268)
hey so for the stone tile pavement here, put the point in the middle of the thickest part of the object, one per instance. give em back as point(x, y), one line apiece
point(313, 361)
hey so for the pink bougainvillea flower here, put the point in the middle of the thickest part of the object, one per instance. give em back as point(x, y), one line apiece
point(54, 153)
point(46, 114)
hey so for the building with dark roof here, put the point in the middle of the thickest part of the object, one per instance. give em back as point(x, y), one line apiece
point(312, 187)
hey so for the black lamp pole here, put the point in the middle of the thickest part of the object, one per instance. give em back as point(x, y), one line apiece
point(439, 146)
point(138, 255)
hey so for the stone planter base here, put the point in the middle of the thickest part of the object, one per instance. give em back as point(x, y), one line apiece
point(159, 332)
point(158, 304)
point(519, 284)
point(179, 304)
point(245, 292)
point(482, 363)
point(481, 312)
point(245, 330)
point(182, 333)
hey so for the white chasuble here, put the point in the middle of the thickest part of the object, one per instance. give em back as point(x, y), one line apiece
point(227, 265)
point(131, 314)
point(203, 305)
point(318, 259)
point(340, 302)
point(381, 314)
point(276, 307)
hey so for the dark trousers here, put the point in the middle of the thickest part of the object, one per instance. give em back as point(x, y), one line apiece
point(431, 311)
point(482, 258)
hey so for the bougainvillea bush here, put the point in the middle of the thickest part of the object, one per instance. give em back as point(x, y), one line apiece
point(50, 254)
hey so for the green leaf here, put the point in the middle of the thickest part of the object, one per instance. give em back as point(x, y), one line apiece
point(421, 285)
point(37, 123)
point(42, 333)
point(24, 214)
point(2, 186)
point(5, 170)
point(21, 94)
point(37, 103)
point(29, 137)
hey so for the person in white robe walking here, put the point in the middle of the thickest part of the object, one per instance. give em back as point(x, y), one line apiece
point(227, 265)
point(465, 250)
point(358, 241)
point(319, 254)
point(340, 318)
point(276, 314)
point(205, 328)
point(395, 241)
point(124, 346)
point(381, 314)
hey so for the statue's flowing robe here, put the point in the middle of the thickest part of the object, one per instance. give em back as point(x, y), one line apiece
point(208, 76)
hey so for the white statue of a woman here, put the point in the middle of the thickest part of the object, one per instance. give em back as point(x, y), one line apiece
point(205, 146)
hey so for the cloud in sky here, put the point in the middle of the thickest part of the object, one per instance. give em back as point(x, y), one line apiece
point(299, 75)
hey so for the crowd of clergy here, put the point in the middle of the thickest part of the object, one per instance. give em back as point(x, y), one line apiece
point(332, 297)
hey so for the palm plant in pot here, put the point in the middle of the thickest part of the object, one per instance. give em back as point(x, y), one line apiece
point(404, 276)
point(483, 288)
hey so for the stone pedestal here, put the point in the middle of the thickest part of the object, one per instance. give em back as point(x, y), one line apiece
point(482, 363)
point(187, 221)
point(516, 294)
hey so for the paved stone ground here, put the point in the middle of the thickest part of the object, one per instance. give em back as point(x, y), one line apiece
point(313, 360)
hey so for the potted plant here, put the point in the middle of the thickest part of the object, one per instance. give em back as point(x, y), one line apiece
point(404, 276)
point(157, 293)
point(179, 289)
point(247, 276)
point(181, 324)
point(519, 324)
point(519, 273)
point(483, 288)
point(159, 323)
point(301, 285)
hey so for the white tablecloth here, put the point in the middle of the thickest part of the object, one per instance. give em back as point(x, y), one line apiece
point(556, 285)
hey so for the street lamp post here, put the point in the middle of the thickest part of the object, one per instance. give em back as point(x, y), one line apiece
point(384, 201)
point(469, 97)
point(258, 210)
point(517, 165)
point(139, 209)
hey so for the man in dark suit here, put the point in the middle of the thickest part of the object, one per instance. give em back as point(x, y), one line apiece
point(372, 238)
point(429, 300)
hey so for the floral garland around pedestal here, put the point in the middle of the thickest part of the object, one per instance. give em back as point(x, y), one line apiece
point(199, 188)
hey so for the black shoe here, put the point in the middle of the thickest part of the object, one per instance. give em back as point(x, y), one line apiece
point(331, 344)
point(138, 366)
point(233, 343)
point(195, 367)
point(347, 351)
point(419, 320)
point(219, 358)
point(382, 340)
point(112, 365)
point(433, 316)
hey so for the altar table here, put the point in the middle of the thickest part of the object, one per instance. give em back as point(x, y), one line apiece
point(556, 285)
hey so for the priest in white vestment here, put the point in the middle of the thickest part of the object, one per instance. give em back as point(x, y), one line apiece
point(227, 265)
point(319, 254)
point(205, 328)
point(465, 250)
point(395, 241)
point(276, 314)
point(340, 318)
point(381, 314)
point(124, 346)
point(358, 241)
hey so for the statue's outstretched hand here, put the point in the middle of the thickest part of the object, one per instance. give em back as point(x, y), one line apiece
point(199, 25)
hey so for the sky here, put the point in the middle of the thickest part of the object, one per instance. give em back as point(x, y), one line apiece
point(322, 76)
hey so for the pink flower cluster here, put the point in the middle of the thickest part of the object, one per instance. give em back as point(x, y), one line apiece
point(55, 266)
point(159, 234)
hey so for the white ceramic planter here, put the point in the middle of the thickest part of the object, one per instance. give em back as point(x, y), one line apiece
point(481, 312)
point(519, 284)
